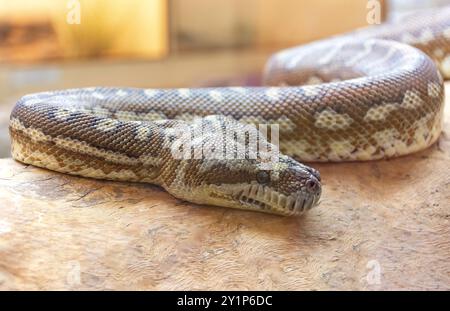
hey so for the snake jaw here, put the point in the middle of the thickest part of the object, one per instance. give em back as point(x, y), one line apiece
point(265, 199)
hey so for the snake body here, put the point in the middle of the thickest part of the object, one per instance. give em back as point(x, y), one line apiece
point(372, 94)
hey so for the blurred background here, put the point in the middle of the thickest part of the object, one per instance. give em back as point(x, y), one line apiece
point(55, 44)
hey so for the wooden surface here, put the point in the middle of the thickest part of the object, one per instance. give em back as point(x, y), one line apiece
point(381, 225)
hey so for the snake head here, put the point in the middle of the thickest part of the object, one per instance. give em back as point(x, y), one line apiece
point(290, 188)
point(265, 181)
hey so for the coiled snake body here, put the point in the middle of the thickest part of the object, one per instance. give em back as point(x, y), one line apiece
point(370, 94)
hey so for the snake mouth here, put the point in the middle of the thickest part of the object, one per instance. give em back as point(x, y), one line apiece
point(265, 199)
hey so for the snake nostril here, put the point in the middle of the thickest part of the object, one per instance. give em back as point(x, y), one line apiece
point(315, 173)
point(312, 185)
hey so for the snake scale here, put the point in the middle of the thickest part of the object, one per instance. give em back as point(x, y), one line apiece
point(370, 94)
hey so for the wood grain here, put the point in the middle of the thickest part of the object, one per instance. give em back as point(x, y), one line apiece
point(391, 217)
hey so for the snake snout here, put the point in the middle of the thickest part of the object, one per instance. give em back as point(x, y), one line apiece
point(315, 173)
point(314, 188)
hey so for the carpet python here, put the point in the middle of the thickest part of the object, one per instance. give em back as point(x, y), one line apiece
point(374, 93)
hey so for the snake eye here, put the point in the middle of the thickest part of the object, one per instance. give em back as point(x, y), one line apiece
point(263, 177)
